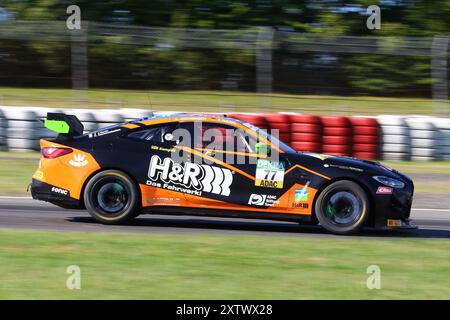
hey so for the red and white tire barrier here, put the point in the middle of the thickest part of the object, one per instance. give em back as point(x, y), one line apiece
point(387, 137)
point(337, 136)
point(280, 122)
point(306, 133)
point(365, 137)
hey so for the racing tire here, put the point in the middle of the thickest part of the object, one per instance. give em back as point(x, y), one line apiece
point(336, 148)
point(365, 139)
point(366, 155)
point(334, 131)
point(335, 121)
point(111, 197)
point(282, 127)
point(306, 128)
point(365, 148)
point(350, 200)
point(363, 121)
point(365, 131)
point(306, 146)
point(306, 137)
point(276, 117)
point(336, 140)
point(304, 118)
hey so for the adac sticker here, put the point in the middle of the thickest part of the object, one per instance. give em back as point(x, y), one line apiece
point(269, 173)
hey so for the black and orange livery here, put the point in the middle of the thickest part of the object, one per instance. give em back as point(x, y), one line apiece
point(142, 166)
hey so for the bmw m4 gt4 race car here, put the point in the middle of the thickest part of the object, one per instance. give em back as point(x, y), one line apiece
point(212, 165)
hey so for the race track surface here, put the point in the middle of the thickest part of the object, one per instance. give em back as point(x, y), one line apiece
point(430, 213)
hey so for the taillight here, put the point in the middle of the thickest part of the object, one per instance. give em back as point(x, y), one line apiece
point(55, 152)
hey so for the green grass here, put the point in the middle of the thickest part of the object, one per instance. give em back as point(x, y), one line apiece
point(420, 166)
point(19, 155)
point(115, 266)
point(212, 101)
point(15, 173)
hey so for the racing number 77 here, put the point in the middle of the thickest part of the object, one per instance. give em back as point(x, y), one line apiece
point(270, 175)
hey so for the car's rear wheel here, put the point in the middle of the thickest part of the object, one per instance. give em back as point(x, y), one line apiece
point(111, 197)
point(342, 207)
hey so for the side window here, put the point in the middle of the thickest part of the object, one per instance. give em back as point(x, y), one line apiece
point(223, 137)
point(159, 134)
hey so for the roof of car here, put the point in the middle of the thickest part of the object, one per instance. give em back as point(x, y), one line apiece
point(187, 117)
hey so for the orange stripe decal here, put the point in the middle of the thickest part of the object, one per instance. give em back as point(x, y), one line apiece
point(306, 169)
point(130, 126)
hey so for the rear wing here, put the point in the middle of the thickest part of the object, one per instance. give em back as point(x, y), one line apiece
point(66, 125)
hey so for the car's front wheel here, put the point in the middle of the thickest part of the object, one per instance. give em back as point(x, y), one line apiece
point(111, 197)
point(342, 207)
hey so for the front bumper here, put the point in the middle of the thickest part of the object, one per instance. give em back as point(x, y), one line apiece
point(46, 192)
point(395, 207)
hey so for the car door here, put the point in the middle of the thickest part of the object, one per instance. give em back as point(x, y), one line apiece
point(149, 155)
point(256, 180)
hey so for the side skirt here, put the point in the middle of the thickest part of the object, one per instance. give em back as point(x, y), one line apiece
point(186, 211)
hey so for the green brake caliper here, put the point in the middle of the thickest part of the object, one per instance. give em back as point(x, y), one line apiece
point(329, 210)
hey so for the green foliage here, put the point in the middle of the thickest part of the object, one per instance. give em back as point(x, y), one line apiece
point(42, 63)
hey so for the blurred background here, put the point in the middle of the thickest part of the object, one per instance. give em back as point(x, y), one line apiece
point(234, 57)
point(295, 55)
point(311, 69)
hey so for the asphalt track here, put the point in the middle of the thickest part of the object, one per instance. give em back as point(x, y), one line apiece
point(430, 213)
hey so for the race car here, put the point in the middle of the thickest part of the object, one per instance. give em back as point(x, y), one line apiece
point(189, 164)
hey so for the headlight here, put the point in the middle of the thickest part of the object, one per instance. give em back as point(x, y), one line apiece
point(394, 183)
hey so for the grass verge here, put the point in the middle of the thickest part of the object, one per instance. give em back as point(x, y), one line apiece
point(124, 266)
point(212, 101)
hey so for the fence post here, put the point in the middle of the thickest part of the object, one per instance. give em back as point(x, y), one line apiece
point(264, 44)
point(78, 43)
point(439, 75)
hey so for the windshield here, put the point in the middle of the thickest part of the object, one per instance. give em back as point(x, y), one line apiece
point(269, 137)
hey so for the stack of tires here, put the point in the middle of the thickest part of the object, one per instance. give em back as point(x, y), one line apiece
point(443, 144)
point(366, 138)
point(424, 138)
point(22, 127)
point(395, 138)
point(306, 133)
point(107, 117)
point(337, 136)
point(257, 120)
point(3, 126)
point(280, 122)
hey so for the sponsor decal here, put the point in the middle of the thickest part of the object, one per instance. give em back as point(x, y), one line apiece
point(301, 197)
point(262, 200)
point(343, 167)
point(394, 223)
point(191, 178)
point(385, 190)
point(60, 191)
point(78, 160)
point(158, 148)
point(168, 200)
point(269, 174)
point(102, 133)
